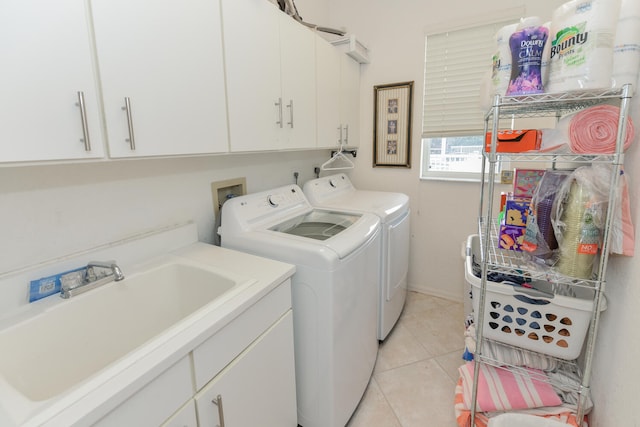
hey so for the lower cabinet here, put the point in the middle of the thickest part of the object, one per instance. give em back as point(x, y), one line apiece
point(185, 417)
point(243, 375)
point(258, 387)
point(155, 402)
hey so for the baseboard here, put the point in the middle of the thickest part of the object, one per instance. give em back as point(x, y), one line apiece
point(436, 293)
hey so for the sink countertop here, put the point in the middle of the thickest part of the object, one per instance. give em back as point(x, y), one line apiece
point(97, 395)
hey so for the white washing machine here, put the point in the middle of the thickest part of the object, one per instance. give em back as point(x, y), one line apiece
point(334, 292)
point(337, 192)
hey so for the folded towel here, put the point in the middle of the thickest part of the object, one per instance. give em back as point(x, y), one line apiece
point(523, 420)
point(623, 237)
point(593, 130)
point(463, 414)
point(502, 390)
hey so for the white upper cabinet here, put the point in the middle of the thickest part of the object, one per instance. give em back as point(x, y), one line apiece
point(87, 79)
point(270, 64)
point(350, 100)
point(329, 96)
point(252, 56)
point(162, 76)
point(338, 91)
point(298, 74)
point(46, 70)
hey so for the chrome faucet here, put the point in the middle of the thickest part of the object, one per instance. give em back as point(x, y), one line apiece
point(84, 280)
point(110, 265)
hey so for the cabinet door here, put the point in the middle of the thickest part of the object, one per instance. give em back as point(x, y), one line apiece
point(298, 74)
point(252, 57)
point(328, 62)
point(258, 387)
point(350, 105)
point(156, 401)
point(185, 417)
point(46, 60)
point(166, 58)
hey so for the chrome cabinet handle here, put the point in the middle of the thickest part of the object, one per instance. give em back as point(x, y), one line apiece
point(279, 105)
point(83, 118)
point(127, 107)
point(290, 106)
point(346, 138)
point(218, 402)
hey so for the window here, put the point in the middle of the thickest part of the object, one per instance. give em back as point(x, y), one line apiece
point(456, 62)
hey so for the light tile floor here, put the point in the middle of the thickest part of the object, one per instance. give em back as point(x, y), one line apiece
point(414, 378)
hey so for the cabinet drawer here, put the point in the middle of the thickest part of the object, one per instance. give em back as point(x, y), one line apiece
point(156, 401)
point(218, 351)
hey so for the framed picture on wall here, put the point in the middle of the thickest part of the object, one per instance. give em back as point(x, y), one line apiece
point(392, 125)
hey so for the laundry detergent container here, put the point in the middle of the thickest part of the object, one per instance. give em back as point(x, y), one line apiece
point(532, 317)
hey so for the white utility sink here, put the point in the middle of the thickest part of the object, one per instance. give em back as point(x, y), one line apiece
point(74, 339)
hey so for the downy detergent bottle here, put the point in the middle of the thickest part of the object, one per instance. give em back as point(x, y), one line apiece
point(527, 47)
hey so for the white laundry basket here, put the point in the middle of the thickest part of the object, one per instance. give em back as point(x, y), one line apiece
point(555, 325)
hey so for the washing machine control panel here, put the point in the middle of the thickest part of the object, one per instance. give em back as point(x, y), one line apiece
point(258, 208)
point(284, 198)
point(328, 187)
point(339, 181)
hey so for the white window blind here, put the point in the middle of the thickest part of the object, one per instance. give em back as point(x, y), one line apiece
point(455, 64)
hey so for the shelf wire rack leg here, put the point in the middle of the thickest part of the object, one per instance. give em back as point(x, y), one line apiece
point(618, 162)
point(486, 235)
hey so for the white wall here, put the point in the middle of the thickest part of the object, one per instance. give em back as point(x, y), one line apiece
point(444, 213)
point(50, 211)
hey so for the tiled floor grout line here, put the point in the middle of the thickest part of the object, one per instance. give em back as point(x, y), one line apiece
point(424, 339)
point(386, 399)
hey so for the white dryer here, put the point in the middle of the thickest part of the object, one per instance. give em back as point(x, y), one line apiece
point(337, 192)
point(334, 292)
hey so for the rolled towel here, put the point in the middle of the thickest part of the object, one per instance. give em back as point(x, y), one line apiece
point(594, 130)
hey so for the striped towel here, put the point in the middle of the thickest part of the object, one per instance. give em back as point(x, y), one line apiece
point(463, 414)
point(502, 390)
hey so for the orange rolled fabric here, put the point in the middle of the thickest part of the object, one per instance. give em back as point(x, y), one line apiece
point(594, 130)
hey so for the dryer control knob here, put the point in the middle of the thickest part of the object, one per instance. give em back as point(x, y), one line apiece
point(331, 183)
point(273, 200)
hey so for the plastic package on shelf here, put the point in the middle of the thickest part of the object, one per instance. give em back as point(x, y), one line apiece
point(578, 219)
point(540, 239)
point(592, 27)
